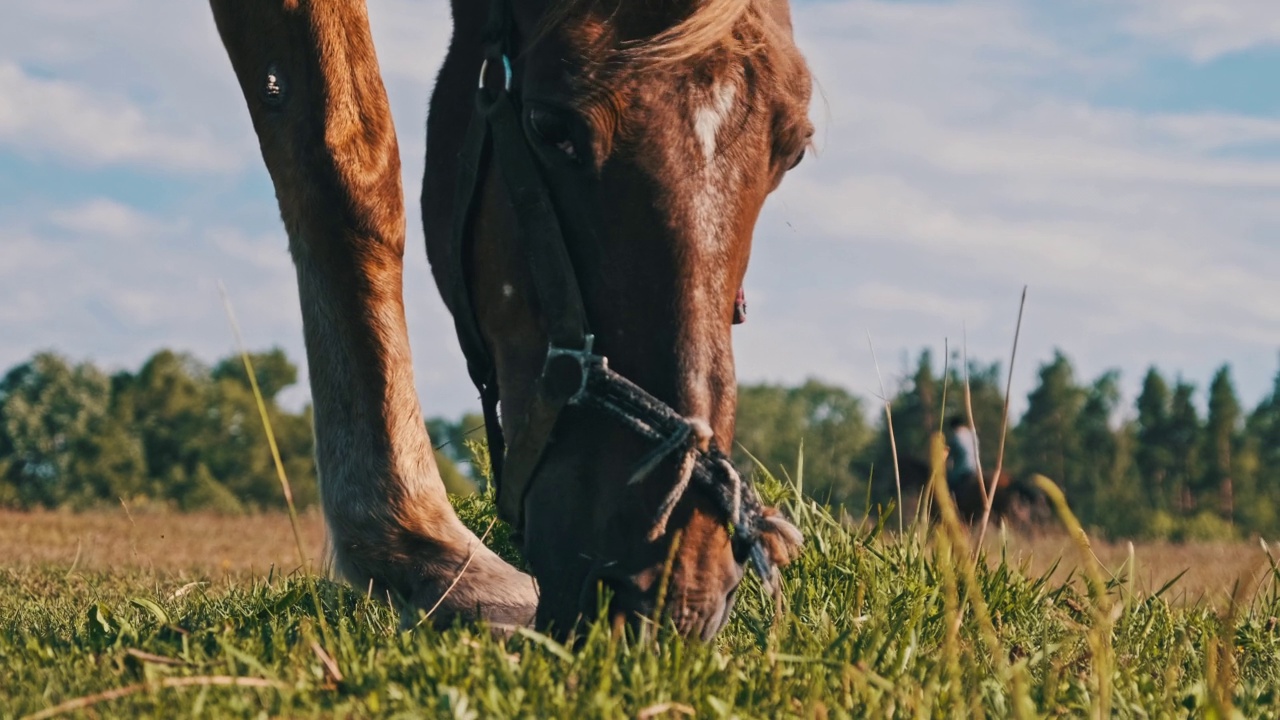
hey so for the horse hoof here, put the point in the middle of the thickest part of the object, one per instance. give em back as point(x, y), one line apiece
point(481, 587)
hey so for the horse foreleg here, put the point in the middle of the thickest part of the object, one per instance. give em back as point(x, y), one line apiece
point(315, 94)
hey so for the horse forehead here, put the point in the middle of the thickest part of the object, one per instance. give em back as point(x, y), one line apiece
point(711, 112)
point(690, 120)
point(704, 176)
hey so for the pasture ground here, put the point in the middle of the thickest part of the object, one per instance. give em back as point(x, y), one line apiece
point(176, 615)
point(216, 549)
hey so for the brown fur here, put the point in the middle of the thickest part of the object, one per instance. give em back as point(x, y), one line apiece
point(691, 112)
point(332, 154)
point(673, 202)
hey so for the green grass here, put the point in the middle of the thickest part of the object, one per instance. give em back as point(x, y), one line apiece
point(873, 626)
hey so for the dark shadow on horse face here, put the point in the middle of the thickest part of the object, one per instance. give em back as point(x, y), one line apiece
point(659, 168)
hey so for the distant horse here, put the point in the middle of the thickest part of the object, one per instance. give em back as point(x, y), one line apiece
point(1016, 502)
point(594, 172)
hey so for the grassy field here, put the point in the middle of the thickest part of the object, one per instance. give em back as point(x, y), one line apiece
point(166, 615)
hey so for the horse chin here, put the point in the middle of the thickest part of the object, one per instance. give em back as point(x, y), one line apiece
point(693, 613)
point(586, 538)
point(703, 620)
point(697, 601)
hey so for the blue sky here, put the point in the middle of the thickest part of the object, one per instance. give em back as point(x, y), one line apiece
point(1119, 157)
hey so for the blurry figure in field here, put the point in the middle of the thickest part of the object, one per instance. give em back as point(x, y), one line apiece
point(962, 454)
point(1018, 503)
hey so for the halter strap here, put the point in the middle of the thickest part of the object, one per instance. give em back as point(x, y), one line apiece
point(495, 132)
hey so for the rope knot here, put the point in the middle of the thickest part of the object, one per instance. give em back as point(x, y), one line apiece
point(697, 434)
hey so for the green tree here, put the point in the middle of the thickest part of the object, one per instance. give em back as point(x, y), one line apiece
point(1261, 511)
point(204, 492)
point(1047, 435)
point(175, 432)
point(1153, 453)
point(986, 391)
point(272, 369)
point(201, 428)
point(236, 452)
point(1100, 469)
point(1221, 441)
point(1184, 436)
point(169, 401)
point(1264, 424)
point(452, 457)
point(773, 420)
point(919, 411)
point(62, 443)
point(1122, 509)
point(917, 408)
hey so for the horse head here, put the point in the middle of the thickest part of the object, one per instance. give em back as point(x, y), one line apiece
point(648, 135)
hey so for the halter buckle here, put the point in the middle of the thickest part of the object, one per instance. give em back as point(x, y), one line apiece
point(506, 70)
point(586, 360)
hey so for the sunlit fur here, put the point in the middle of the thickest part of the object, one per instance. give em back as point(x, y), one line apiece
point(659, 287)
point(331, 150)
point(688, 114)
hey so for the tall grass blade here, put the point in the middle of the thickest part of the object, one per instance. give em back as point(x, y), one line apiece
point(275, 457)
point(893, 441)
point(1004, 423)
point(266, 425)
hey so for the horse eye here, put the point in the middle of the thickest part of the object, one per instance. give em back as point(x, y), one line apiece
point(553, 129)
point(796, 162)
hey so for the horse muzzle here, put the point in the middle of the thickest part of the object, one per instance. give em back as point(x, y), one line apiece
point(698, 604)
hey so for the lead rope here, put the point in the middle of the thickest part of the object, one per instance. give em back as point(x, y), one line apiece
point(629, 404)
point(736, 480)
point(683, 476)
point(693, 434)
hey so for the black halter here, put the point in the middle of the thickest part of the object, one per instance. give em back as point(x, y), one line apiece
point(573, 373)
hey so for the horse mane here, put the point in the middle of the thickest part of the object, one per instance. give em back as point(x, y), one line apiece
point(741, 27)
point(712, 24)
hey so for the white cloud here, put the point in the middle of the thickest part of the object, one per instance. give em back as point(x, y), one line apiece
point(106, 280)
point(106, 218)
point(66, 119)
point(961, 157)
point(1206, 29)
point(920, 301)
point(265, 251)
point(958, 164)
point(23, 256)
point(411, 37)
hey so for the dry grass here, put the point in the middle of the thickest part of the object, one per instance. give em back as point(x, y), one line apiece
point(164, 542)
point(1211, 568)
point(217, 546)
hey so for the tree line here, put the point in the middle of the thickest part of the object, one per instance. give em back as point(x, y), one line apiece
point(186, 435)
point(1159, 469)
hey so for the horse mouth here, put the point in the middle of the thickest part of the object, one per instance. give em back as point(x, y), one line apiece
point(693, 612)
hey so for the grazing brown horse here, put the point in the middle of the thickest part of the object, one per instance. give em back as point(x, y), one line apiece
point(594, 173)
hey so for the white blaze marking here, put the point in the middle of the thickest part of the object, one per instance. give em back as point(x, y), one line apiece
point(709, 198)
point(708, 118)
point(711, 192)
point(507, 290)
